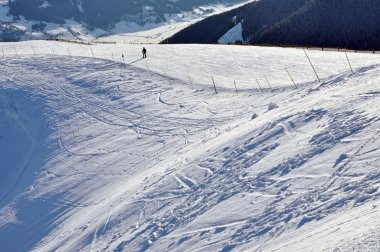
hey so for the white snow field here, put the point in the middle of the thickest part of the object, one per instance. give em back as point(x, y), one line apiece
point(98, 155)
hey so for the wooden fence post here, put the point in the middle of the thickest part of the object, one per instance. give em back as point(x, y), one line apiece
point(33, 51)
point(15, 50)
point(291, 77)
point(349, 63)
point(236, 87)
point(68, 51)
point(93, 56)
point(268, 83)
point(258, 83)
point(191, 82)
point(146, 63)
point(53, 51)
point(3, 52)
point(213, 82)
point(312, 65)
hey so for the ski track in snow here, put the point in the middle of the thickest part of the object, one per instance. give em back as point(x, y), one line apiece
point(138, 161)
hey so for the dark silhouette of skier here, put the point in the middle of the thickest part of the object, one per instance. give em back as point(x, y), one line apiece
point(144, 52)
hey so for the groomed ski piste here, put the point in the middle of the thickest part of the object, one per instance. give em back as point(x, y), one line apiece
point(97, 154)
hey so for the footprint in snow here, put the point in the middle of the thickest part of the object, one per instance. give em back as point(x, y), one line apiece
point(340, 159)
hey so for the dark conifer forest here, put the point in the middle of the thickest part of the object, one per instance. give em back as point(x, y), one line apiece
point(352, 24)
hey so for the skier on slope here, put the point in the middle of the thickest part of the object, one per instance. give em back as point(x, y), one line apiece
point(144, 52)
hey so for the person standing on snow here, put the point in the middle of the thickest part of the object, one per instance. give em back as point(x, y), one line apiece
point(144, 52)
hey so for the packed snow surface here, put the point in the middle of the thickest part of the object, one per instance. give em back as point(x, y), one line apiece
point(98, 154)
point(234, 35)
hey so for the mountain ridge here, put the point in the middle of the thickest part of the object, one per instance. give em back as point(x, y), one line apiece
point(339, 24)
point(100, 18)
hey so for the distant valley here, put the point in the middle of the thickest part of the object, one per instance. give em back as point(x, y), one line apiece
point(85, 19)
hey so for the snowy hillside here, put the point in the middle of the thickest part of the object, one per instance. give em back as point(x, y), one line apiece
point(123, 21)
point(234, 35)
point(98, 155)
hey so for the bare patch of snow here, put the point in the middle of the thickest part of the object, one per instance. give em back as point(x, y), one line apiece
point(233, 35)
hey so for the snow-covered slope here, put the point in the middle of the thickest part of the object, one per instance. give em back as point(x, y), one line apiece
point(234, 35)
point(98, 155)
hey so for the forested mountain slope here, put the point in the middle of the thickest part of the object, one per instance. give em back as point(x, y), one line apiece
point(86, 19)
point(324, 23)
point(103, 14)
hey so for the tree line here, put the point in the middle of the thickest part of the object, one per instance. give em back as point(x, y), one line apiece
point(351, 24)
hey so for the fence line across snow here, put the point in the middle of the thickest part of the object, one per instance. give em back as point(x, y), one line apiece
point(102, 56)
point(328, 49)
